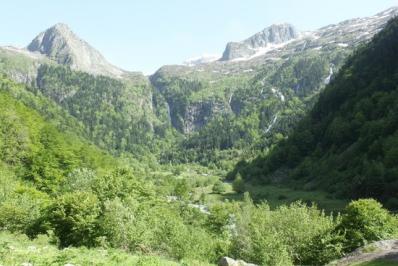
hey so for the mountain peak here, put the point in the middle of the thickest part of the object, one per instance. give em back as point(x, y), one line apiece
point(390, 11)
point(62, 45)
point(272, 35)
point(61, 28)
point(61, 25)
point(45, 41)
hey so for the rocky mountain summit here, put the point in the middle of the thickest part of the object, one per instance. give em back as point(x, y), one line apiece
point(278, 61)
point(273, 35)
point(60, 44)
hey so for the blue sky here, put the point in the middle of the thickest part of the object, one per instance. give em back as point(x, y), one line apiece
point(144, 35)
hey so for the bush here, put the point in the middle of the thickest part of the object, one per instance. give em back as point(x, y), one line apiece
point(23, 211)
point(149, 261)
point(254, 238)
point(322, 249)
point(218, 187)
point(297, 225)
point(116, 222)
point(366, 220)
point(239, 185)
point(78, 180)
point(182, 189)
point(74, 218)
point(284, 236)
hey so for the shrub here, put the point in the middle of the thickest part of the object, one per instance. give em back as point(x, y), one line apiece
point(149, 261)
point(74, 218)
point(254, 238)
point(297, 225)
point(218, 187)
point(115, 222)
point(239, 185)
point(23, 210)
point(366, 220)
point(78, 180)
point(322, 249)
point(182, 189)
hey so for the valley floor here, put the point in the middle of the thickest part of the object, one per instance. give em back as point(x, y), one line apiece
point(19, 250)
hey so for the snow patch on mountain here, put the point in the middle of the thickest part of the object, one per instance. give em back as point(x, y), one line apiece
point(203, 59)
point(263, 50)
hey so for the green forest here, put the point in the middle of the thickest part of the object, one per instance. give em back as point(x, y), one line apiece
point(347, 142)
point(96, 170)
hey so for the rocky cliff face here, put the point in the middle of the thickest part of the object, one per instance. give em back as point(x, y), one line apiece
point(277, 63)
point(273, 35)
point(60, 44)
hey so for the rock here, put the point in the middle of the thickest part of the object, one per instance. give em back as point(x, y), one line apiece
point(226, 261)
point(275, 34)
point(385, 249)
point(60, 44)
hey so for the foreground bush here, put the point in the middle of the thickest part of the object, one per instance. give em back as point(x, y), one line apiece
point(73, 216)
point(364, 221)
point(120, 211)
point(277, 237)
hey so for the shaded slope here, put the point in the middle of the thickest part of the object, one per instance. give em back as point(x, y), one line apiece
point(348, 144)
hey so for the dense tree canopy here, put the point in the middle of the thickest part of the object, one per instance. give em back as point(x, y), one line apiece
point(348, 142)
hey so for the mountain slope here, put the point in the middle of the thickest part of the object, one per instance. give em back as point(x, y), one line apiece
point(273, 35)
point(257, 99)
point(60, 44)
point(348, 142)
point(113, 107)
point(117, 115)
point(35, 150)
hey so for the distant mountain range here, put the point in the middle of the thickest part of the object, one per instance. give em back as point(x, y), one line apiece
point(277, 67)
point(275, 37)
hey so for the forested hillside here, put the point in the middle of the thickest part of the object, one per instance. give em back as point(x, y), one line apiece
point(36, 150)
point(255, 156)
point(347, 144)
point(247, 112)
point(116, 114)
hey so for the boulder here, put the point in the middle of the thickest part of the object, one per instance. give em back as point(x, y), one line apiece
point(226, 261)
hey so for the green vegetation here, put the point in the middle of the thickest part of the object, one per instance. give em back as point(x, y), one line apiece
point(64, 192)
point(98, 170)
point(347, 144)
point(367, 221)
point(35, 150)
point(18, 249)
point(235, 116)
point(281, 195)
point(116, 114)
